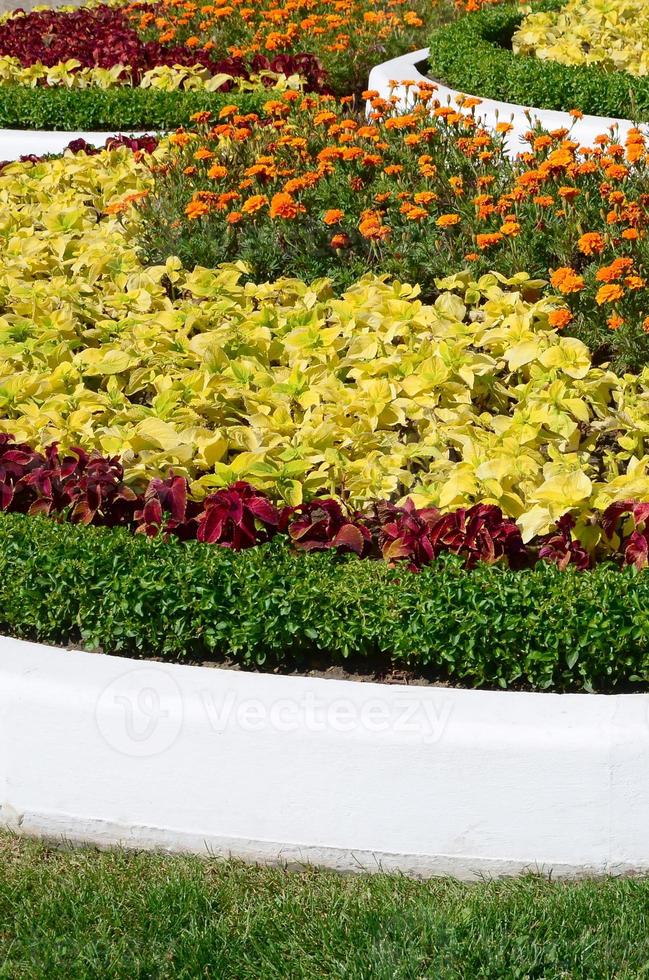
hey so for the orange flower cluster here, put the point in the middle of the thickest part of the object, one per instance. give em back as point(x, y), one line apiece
point(417, 195)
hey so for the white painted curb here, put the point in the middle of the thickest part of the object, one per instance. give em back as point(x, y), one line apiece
point(490, 111)
point(15, 143)
point(349, 775)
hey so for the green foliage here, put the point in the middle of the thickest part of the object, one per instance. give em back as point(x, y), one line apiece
point(473, 55)
point(123, 108)
point(105, 589)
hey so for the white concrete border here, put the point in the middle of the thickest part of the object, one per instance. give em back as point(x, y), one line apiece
point(490, 111)
point(350, 775)
point(15, 143)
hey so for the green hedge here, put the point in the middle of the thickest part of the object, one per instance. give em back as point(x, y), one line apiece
point(122, 108)
point(473, 55)
point(125, 594)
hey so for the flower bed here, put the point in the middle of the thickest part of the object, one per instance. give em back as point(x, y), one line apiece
point(474, 55)
point(143, 65)
point(417, 195)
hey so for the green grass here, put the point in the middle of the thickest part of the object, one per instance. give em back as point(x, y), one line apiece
point(94, 915)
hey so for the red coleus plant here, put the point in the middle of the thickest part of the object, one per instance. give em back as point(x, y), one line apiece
point(323, 524)
point(237, 517)
point(478, 533)
point(630, 535)
point(561, 548)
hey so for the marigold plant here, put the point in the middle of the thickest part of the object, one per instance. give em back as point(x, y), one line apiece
point(310, 188)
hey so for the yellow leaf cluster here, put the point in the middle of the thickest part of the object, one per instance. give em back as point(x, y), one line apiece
point(613, 34)
point(472, 398)
point(70, 74)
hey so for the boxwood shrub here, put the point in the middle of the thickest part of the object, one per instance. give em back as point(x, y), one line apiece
point(122, 108)
point(473, 55)
point(269, 607)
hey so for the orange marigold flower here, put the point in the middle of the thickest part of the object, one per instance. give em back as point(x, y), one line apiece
point(413, 212)
point(615, 321)
point(645, 324)
point(618, 268)
point(510, 228)
point(340, 241)
point(228, 110)
point(591, 243)
point(566, 280)
point(635, 282)
point(217, 171)
point(196, 209)
point(425, 197)
point(447, 220)
point(282, 205)
point(609, 294)
point(569, 193)
point(371, 226)
point(254, 204)
point(333, 216)
point(631, 234)
point(487, 240)
point(560, 318)
point(180, 138)
point(234, 217)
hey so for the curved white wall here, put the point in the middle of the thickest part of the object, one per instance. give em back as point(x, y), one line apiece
point(490, 111)
point(350, 775)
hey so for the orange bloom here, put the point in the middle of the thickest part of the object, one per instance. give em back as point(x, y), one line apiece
point(217, 172)
point(196, 209)
point(284, 206)
point(618, 268)
point(333, 216)
point(447, 220)
point(615, 322)
point(371, 226)
point(591, 243)
point(339, 241)
point(609, 294)
point(486, 241)
point(255, 204)
point(560, 318)
point(566, 280)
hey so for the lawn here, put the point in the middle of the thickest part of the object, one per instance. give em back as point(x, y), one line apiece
point(87, 914)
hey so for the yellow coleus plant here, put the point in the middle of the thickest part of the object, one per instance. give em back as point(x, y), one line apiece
point(70, 74)
point(474, 398)
point(612, 34)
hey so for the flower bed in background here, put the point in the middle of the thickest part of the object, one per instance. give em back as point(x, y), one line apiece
point(146, 65)
point(474, 54)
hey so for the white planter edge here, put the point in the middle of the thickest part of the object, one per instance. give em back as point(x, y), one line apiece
point(350, 775)
point(388, 79)
point(15, 143)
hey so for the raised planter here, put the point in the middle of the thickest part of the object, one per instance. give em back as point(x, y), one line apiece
point(350, 775)
point(389, 78)
point(15, 143)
